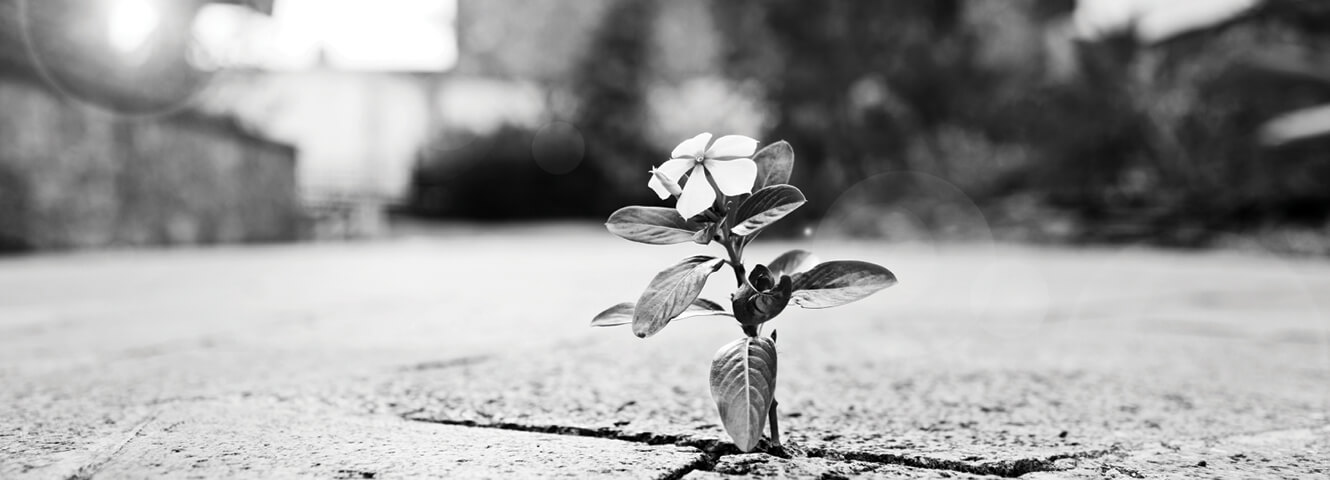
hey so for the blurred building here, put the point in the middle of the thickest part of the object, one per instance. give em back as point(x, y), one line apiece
point(351, 84)
point(362, 124)
point(100, 144)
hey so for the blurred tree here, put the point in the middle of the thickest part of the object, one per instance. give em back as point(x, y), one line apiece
point(610, 85)
point(494, 177)
point(1150, 132)
point(498, 176)
point(858, 87)
point(1186, 161)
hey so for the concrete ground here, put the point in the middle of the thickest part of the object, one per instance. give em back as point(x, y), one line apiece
point(467, 354)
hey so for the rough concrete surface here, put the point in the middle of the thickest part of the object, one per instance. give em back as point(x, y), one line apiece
point(466, 353)
point(274, 437)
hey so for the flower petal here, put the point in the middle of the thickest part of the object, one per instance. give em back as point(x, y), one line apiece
point(697, 194)
point(732, 146)
point(733, 177)
point(692, 148)
point(674, 169)
point(677, 167)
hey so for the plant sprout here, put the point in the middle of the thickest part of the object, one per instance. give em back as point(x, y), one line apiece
point(728, 195)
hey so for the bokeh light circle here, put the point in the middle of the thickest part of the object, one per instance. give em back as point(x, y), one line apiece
point(929, 233)
point(558, 147)
point(132, 29)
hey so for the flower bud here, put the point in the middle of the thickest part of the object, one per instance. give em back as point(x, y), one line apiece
point(670, 185)
point(753, 306)
point(761, 278)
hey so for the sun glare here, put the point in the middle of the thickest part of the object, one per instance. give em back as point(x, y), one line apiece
point(131, 24)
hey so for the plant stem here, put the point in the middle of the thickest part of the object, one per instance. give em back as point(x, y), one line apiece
point(737, 263)
point(775, 428)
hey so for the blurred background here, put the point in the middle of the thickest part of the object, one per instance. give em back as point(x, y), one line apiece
point(1196, 123)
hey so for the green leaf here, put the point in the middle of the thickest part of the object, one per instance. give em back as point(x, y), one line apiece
point(743, 383)
point(651, 225)
point(837, 283)
point(792, 262)
point(765, 207)
point(622, 314)
point(671, 292)
point(774, 164)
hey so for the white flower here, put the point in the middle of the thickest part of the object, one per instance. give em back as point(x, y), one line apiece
point(728, 160)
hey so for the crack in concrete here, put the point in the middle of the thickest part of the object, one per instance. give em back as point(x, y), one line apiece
point(709, 446)
point(703, 463)
point(90, 467)
point(711, 449)
point(1001, 468)
point(714, 449)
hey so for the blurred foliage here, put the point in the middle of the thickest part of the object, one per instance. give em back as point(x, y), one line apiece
point(14, 197)
point(495, 176)
point(855, 86)
point(1112, 138)
point(1156, 142)
point(611, 85)
point(1174, 153)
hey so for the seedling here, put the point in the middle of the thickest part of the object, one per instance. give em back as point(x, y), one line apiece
point(728, 196)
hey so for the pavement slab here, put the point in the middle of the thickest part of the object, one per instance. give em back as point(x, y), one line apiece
point(925, 386)
point(405, 357)
point(267, 438)
point(1297, 453)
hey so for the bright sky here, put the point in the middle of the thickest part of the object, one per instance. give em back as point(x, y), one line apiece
point(389, 35)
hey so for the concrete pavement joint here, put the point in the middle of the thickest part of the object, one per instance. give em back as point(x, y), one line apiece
point(704, 463)
point(1003, 468)
point(715, 449)
point(711, 449)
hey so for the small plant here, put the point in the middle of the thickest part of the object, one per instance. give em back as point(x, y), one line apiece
point(728, 195)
